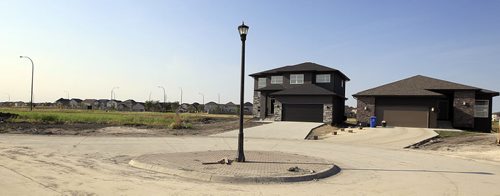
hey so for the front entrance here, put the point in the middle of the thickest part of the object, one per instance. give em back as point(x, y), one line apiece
point(270, 106)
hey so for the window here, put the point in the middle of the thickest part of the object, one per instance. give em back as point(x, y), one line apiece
point(481, 109)
point(323, 78)
point(296, 78)
point(261, 82)
point(276, 79)
point(342, 83)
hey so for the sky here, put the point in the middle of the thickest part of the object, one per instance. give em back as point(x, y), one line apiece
point(85, 48)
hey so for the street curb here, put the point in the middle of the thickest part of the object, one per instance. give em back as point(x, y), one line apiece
point(235, 179)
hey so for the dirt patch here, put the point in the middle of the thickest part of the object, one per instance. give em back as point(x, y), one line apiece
point(6, 116)
point(471, 145)
point(202, 128)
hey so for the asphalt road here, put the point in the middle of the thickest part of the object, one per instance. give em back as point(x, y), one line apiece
point(54, 165)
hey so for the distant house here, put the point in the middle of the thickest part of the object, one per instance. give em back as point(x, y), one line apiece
point(138, 107)
point(75, 103)
point(184, 108)
point(421, 101)
point(62, 103)
point(126, 105)
point(229, 108)
point(90, 104)
point(248, 108)
point(102, 104)
point(112, 104)
point(211, 107)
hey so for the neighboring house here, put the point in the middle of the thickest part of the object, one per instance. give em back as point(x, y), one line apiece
point(302, 92)
point(75, 103)
point(211, 108)
point(495, 116)
point(421, 101)
point(138, 107)
point(350, 112)
point(62, 103)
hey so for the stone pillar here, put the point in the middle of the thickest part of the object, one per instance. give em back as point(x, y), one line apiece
point(463, 109)
point(365, 109)
point(277, 110)
point(256, 104)
point(327, 113)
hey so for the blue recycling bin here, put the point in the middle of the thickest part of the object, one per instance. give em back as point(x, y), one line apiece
point(373, 121)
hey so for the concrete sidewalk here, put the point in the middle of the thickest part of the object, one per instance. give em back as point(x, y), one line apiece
point(394, 137)
point(276, 130)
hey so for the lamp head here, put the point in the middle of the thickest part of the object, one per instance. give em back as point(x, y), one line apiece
point(243, 30)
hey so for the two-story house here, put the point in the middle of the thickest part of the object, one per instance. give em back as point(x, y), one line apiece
point(302, 92)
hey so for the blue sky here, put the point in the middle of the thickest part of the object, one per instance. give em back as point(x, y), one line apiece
point(87, 47)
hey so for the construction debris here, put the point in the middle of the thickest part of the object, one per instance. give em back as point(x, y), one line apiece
point(224, 161)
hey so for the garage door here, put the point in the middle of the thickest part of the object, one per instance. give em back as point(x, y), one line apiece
point(303, 112)
point(403, 116)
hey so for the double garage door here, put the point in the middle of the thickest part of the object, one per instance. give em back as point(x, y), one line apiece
point(403, 116)
point(302, 112)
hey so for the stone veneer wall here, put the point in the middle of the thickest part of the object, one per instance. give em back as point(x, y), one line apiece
point(327, 113)
point(256, 104)
point(277, 110)
point(463, 115)
point(363, 115)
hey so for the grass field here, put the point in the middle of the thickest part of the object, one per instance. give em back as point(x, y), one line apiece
point(103, 117)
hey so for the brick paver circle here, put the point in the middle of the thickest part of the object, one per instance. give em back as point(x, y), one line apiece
point(259, 167)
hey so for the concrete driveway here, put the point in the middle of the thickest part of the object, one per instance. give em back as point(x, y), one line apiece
point(394, 137)
point(276, 130)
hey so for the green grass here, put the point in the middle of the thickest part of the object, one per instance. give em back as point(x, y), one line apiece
point(102, 117)
point(446, 134)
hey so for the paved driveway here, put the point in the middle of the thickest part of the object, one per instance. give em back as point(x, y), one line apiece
point(394, 137)
point(276, 130)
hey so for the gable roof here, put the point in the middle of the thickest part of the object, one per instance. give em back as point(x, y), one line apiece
point(305, 89)
point(418, 86)
point(302, 67)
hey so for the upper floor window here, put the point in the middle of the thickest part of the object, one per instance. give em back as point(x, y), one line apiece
point(323, 78)
point(261, 82)
point(296, 78)
point(342, 83)
point(481, 109)
point(276, 79)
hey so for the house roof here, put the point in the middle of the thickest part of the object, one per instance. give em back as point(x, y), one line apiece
point(418, 86)
point(248, 104)
point(302, 67)
point(305, 89)
point(211, 103)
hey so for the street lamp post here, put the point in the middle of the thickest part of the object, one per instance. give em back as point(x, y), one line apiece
point(243, 30)
point(164, 94)
point(203, 98)
point(32, 77)
point(164, 98)
point(181, 96)
point(113, 91)
point(67, 94)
